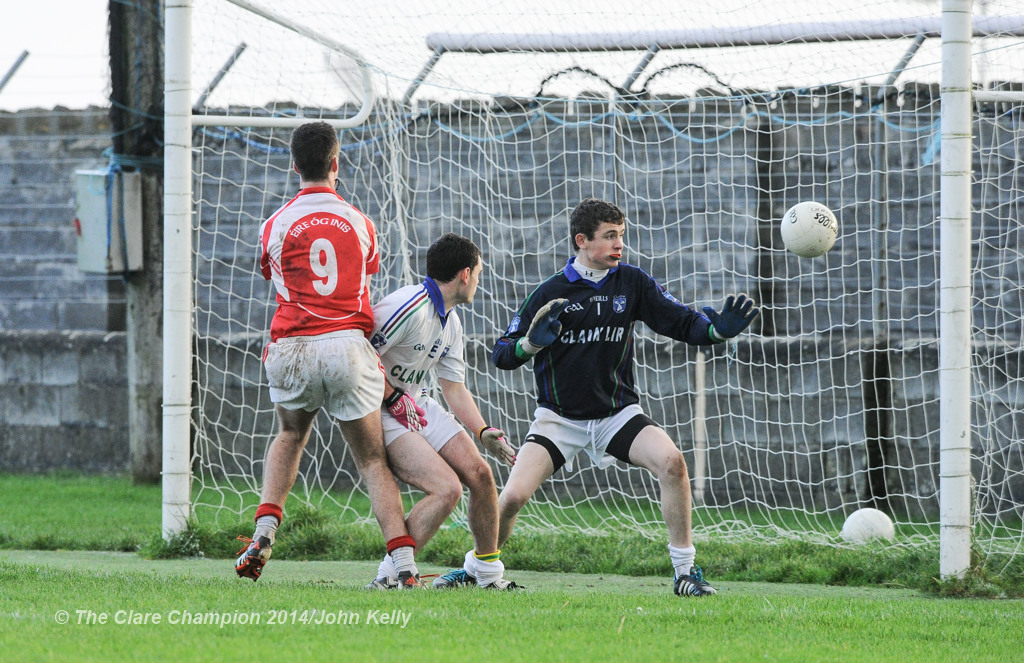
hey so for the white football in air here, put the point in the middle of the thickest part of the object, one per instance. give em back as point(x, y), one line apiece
point(868, 524)
point(809, 229)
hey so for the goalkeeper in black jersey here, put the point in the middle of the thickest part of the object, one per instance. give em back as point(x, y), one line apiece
point(578, 328)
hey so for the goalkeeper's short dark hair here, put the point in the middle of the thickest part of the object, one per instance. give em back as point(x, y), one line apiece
point(588, 217)
point(313, 146)
point(449, 255)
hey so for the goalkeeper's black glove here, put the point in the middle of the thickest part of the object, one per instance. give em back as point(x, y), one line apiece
point(735, 316)
point(544, 329)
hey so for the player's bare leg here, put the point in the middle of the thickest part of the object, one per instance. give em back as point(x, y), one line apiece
point(483, 566)
point(415, 462)
point(284, 454)
point(473, 471)
point(279, 471)
point(533, 467)
point(655, 451)
point(365, 438)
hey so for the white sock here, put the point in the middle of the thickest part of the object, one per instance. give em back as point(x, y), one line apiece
point(403, 560)
point(266, 526)
point(386, 569)
point(682, 559)
point(485, 572)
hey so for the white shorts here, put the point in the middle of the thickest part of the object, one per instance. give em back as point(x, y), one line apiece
point(339, 371)
point(565, 438)
point(441, 424)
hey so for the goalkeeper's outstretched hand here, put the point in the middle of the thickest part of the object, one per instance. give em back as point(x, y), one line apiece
point(735, 316)
point(493, 440)
point(545, 327)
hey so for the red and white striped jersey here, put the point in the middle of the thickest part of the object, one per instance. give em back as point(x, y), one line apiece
point(319, 251)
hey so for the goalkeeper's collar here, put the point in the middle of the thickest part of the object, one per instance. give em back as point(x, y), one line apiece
point(595, 276)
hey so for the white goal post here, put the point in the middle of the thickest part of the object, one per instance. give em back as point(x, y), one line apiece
point(179, 121)
point(855, 387)
point(177, 311)
point(956, 29)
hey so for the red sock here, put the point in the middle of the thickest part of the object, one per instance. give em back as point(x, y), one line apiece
point(268, 509)
point(400, 541)
point(401, 550)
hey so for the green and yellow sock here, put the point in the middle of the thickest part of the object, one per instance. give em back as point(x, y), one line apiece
point(488, 557)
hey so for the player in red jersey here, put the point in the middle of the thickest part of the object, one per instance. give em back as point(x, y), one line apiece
point(320, 251)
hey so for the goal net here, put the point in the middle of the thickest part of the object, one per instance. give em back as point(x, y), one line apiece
point(704, 124)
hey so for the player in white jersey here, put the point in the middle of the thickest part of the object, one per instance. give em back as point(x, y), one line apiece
point(320, 251)
point(416, 331)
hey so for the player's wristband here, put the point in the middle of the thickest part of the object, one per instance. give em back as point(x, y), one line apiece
point(713, 335)
point(480, 433)
point(525, 349)
point(395, 396)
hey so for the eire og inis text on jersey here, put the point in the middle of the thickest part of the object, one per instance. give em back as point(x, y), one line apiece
point(319, 251)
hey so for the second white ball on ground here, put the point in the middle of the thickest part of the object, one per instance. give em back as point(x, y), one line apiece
point(868, 524)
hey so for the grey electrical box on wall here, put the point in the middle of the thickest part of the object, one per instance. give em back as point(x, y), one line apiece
point(109, 232)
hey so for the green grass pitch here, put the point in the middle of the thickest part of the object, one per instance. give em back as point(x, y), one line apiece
point(74, 587)
point(317, 610)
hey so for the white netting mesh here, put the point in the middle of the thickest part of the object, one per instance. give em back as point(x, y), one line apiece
point(830, 403)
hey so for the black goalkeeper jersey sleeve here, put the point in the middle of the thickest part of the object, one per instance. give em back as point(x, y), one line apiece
point(587, 373)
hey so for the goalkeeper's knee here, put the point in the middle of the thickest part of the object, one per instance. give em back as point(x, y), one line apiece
point(511, 502)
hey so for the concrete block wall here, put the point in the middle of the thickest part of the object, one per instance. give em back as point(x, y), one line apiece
point(693, 206)
point(40, 285)
point(693, 211)
point(63, 401)
point(693, 214)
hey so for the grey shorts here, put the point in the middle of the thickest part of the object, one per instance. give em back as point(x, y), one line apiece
point(339, 371)
point(604, 440)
